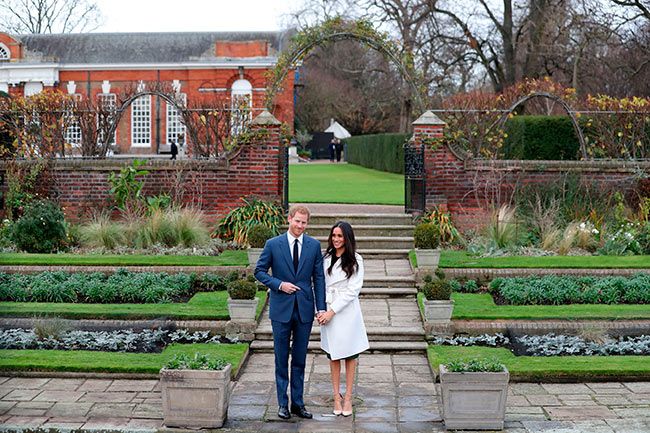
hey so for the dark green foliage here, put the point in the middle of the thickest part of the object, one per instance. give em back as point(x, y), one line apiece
point(644, 238)
point(212, 282)
point(242, 289)
point(436, 289)
point(96, 288)
point(560, 290)
point(383, 152)
point(540, 137)
point(426, 236)
point(41, 228)
point(258, 235)
point(470, 286)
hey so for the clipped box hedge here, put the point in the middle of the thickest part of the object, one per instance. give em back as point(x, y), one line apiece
point(540, 137)
point(561, 290)
point(384, 152)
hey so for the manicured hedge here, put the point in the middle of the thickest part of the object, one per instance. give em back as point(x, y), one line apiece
point(540, 137)
point(98, 288)
point(559, 290)
point(383, 152)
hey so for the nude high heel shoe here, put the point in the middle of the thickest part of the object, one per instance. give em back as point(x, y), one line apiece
point(337, 404)
point(347, 406)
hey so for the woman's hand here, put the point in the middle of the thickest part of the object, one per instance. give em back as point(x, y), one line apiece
point(325, 317)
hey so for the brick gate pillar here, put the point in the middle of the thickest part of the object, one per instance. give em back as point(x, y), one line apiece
point(269, 155)
point(427, 130)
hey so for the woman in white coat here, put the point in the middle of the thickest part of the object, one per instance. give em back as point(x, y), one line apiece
point(343, 333)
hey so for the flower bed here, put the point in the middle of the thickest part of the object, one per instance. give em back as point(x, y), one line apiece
point(127, 340)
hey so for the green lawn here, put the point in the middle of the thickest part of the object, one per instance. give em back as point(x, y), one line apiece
point(461, 259)
point(344, 183)
point(550, 368)
point(475, 306)
point(114, 362)
point(202, 306)
point(227, 258)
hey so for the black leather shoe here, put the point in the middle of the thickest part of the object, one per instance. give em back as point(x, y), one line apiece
point(283, 412)
point(301, 412)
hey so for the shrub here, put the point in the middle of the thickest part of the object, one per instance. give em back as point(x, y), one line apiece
point(643, 238)
point(101, 232)
point(426, 236)
point(242, 289)
point(475, 365)
point(442, 220)
point(384, 152)
point(540, 137)
point(197, 362)
point(502, 230)
point(236, 225)
point(212, 282)
point(436, 289)
point(471, 286)
point(41, 229)
point(258, 235)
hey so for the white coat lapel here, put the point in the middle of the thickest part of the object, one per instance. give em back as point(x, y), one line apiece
point(337, 272)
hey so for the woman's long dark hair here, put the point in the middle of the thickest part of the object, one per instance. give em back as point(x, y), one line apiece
point(348, 259)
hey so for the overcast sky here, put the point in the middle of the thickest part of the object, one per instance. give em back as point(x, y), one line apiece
point(193, 15)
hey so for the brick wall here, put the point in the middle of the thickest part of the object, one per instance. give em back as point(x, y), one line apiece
point(81, 186)
point(468, 187)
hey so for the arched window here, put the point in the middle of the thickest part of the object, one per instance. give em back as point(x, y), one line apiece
point(241, 103)
point(4, 52)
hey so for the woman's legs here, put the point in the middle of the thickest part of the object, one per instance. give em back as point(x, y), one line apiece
point(335, 372)
point(350, 369)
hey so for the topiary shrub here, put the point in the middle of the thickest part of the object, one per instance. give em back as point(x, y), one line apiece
point(436, 289)
point(426, 236)
point(242, 289)
point(258, 235)
point(41, 228)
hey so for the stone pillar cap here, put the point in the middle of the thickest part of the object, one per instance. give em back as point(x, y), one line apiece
point(265, 118)
point(428, 118)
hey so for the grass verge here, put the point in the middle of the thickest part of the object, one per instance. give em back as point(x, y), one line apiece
point(461, 259)
point(227, 258)
point(202, 306)
point(113, 362)
point(344, 183)
point(550, 368)
point(481, 306)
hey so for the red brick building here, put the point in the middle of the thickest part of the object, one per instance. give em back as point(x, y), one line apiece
point(98, 65)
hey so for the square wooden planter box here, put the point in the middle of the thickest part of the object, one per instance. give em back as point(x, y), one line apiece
point(195, 398)
point(473, 400)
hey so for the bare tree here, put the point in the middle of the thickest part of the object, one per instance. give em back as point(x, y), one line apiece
point(49, 16)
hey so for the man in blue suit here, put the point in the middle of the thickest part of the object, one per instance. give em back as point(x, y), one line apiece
point(297, 288)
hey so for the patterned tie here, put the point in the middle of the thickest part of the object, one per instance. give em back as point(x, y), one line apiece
point(295, 255)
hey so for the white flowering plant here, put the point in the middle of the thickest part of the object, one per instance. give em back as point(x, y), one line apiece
point(623, 242)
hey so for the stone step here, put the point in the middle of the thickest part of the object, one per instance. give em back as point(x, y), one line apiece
point(389, 292)
point(384, 253)
point(388, 282)
point(390, 230)
point(266, 346)
point(328, 219)
point(375, 334)
point(378, 242)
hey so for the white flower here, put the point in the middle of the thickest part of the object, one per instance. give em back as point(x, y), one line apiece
point(595, 231)
point(582, 226)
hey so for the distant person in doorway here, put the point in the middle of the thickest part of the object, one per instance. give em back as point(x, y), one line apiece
point(332, 147)
point(339, 150)
point(174, 150)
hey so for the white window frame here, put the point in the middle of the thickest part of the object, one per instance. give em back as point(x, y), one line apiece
point(5, 53)
point(108, 101)
point(141, 122)
point(240, 91)
point(174, 126)
point(72, 134)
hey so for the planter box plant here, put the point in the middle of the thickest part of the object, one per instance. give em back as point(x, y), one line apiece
point(257, 237)
point(242, 303)
point(426, 237)
point(195, 392)
point(438, 306)
point(474, 394)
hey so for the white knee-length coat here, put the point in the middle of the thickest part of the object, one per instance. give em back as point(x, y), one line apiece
point(345, 335)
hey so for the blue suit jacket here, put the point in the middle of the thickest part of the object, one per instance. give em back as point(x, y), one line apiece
point(310, 278)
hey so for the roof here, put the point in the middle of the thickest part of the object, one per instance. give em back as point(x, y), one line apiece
point(122, 48)
point(338, 130)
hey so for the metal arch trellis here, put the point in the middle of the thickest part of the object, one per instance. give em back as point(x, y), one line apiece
point(499, 123)
point(115, 118)
point(375, 43)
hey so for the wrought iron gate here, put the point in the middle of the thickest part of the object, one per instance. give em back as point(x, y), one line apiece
point(414, 178)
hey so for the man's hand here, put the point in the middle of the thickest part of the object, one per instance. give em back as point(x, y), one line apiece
point(289, 288)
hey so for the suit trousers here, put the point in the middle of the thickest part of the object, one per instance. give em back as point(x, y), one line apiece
point(283, 333)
